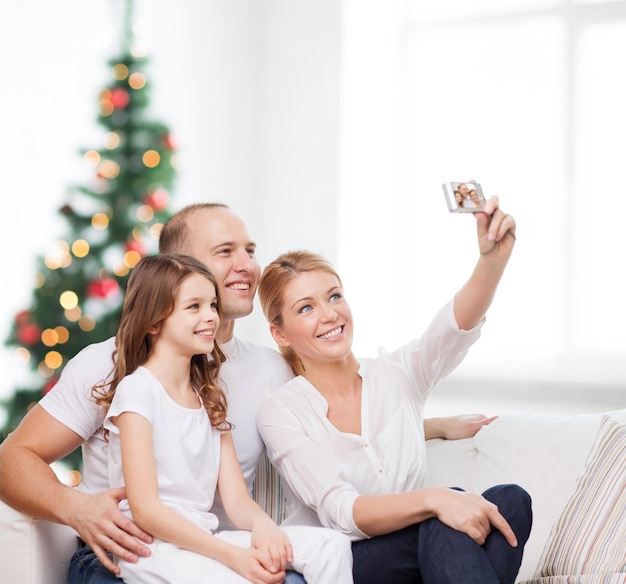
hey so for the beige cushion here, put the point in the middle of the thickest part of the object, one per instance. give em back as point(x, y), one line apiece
point(588, 543)
point(545, 454)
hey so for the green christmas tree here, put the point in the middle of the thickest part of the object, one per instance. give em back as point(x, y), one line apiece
point(111, 224)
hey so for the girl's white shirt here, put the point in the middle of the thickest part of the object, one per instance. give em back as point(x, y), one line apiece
point(186, 447)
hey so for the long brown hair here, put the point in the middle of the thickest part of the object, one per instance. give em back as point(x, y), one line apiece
point(272, 286)
point(149, 299)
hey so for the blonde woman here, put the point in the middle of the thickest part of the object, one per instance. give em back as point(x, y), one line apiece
point(346, 434)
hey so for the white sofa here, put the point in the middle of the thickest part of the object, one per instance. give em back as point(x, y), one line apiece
point(574, 467)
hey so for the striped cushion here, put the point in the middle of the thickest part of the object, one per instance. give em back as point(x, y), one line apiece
point(267, 490)
point(588, 543)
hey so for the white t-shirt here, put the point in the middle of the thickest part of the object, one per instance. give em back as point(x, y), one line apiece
point(247, 373)
point(186, 447)
point(325, 470)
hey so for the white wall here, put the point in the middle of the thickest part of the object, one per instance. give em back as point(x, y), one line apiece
point(258, 94)
point(249, 88)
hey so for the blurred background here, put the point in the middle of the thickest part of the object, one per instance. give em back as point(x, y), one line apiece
point(331, 125)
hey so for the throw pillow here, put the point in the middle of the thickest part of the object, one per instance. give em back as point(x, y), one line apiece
point(545, 454)
point(588, 543)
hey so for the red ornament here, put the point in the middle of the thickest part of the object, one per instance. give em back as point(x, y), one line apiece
point(102, 288)
point(168, 142)
point(49, 385)
point(22, 317)
point(119, 98)
point(158, 199)
point(135, 245)
point(28, 333)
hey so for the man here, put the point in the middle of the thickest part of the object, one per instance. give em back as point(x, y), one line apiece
point(67, 417)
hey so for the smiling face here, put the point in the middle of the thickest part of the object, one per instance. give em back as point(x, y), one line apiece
point(316, 319)
point(473, 195)
point(219, 238)
point(191, 327)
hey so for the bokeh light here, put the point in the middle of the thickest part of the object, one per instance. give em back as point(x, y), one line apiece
point(151, 158)
point(63, 335)
point(137, 80)
point(53, 359)
point(49, 337)
point(87, 323)
point(68, 300)
point(59, 256)
point(109, 169)
point(120, 71)
point(91, 158)
point(73, 314)
point(131, 258)
point(145, 213)
point(155, 230)
point(100, 221)
point(111, 140)
point(80, 248)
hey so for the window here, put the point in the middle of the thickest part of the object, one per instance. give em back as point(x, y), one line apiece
point(527, 98)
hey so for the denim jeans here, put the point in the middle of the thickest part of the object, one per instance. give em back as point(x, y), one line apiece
point(433, 553)
point(85, 568)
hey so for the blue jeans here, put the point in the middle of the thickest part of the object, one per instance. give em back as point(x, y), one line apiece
point(433, 553)
point(86, 568)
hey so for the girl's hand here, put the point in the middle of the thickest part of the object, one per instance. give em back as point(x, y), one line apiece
point(496, 230)
point(250, 563)
point(273, 543)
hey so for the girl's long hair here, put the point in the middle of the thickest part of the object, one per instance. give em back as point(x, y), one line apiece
point(150, 296)
point(272, 286)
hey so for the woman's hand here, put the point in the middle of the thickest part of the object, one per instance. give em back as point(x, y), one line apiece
point(471, 514)
point(496, 230)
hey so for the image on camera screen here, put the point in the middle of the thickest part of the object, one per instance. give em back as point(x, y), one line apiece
point(464, 197)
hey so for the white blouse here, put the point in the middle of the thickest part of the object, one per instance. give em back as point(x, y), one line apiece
point(324, 469)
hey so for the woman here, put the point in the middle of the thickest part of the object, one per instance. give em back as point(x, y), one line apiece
point(347, 437)
point(171, 445)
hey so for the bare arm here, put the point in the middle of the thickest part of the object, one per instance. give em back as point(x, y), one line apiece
point(247, 514)
point(465, 512)
point(140, 477)
point(496, 238)
point(28, 484)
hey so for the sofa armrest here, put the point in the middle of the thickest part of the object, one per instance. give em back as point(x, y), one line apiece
point(34, 551)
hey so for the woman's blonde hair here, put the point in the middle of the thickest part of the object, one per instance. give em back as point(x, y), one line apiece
point(150, 297)
point(272, 286)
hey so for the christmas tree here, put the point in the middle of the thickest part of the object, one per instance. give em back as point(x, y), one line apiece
point(111, 224)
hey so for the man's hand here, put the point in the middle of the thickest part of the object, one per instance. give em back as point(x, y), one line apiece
point(455, 427)
point(100, 524)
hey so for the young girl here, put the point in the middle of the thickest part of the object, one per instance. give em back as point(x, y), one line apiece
point(346, 433)
point(171, 446)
